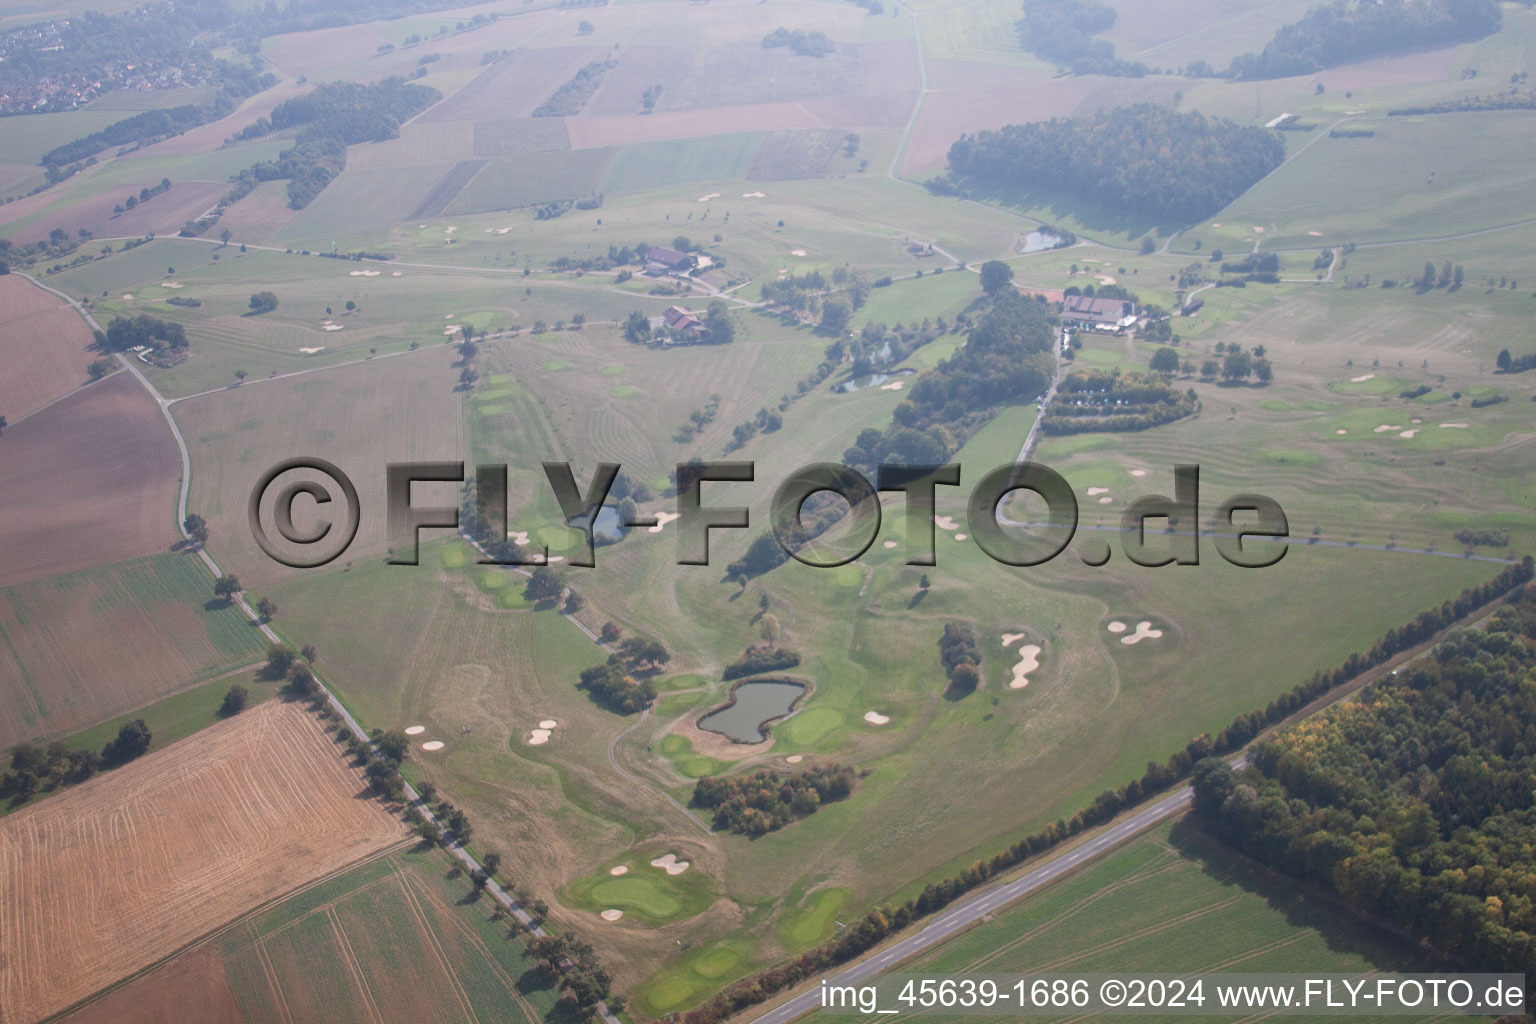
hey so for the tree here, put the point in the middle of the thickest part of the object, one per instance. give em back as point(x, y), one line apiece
point(923, 582)
point(769, 628)
point(835, 314)
point(196, 527)
point(226, 587)
point(132, 740)
point(266, 608)
point(492, 862)
point(1504, 361)
point(1263, 370)
point(609, 633)
point(263, 302)
point(280, 658)
point(240, 376)
point(393, 745)
point(573, 602)
point(29, 759)
point(995, 276)
point(1237, 366)
point(718, 326)
point(225, 236)
point(468, 376)
point(235, 700)
point(308, 651)
point(1165, 361)
point(1209, 369)
point(637, 328)
point(1148, 245)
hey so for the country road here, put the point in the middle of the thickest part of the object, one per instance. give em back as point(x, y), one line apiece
point(451, 845)
point(967, 912)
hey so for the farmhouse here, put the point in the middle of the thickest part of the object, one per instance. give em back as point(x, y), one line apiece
point(1084, 309)
point(683, 324)
point(668, 261)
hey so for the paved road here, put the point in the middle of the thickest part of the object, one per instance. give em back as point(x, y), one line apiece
point(986, 901)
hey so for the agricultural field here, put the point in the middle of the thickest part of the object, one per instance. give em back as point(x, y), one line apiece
point(210, 827)
point(100, 469)
point(65, 666)
point(45, 345)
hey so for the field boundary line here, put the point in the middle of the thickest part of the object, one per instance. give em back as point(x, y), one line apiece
point(435, 947)
point(215, 932)
point(276, 985)
point(350, 959)
point(506, 979)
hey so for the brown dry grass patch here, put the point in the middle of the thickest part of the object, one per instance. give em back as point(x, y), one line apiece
point(107, 878)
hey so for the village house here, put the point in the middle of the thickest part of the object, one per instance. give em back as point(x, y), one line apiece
point(683, 325)
point(659, 260)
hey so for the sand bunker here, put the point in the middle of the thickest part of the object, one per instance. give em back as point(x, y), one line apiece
point(1029, 660)
point(1409, 433)
point(1454, 426)
point(312, 349)
point(892, 544)
point(548, 723)
point(1144, 631)
point(961, 536)
point(753, 195)
point(620, 870)
point(396, 273)
point(1258, 230)
point(518, 537)
point(1106, 279)
point(538, 737)
point(1010, 638)
point(794, 758)
point(364, 273)
point(1105, 500)
point(876, 718)
point(127, 297)
point(432, 745)
point(662, 519)
point(1341, 431)
point(707, 198)
point(1386, 427)
point(895, 385)
point(945, 522)
point(171, 284)
point(1362, 378)
point(670, 864)
point(1138, 472)
point(330, 327)
point(1315, 234)
point(611, 915)
point(1116, 627)
point(1094, 492)
point(415, 730)
point(797, 252)
point(1416, 420)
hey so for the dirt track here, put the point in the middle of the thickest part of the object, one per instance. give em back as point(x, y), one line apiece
point(107, 878)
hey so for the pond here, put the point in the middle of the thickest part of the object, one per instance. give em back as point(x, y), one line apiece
point(872, 380)
point(1039, 241)
point(606, 529)
point(753, 705)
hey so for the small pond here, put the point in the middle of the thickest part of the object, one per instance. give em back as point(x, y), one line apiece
point(606, 529)
point(1039, 241)
point(872, 380)
point(753, 705)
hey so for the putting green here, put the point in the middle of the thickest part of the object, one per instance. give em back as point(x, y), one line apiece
point(637, 893)
point(625, 391)
point(805, 926)
point(717, 961)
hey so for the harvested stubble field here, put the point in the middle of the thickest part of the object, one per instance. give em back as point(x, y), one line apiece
point(64, 664)
point(100, 470)
point(109, 877)
point(514, 85)
point(45, 347)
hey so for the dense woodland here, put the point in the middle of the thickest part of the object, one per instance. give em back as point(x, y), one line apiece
point(1144, 160)
point(1098, 401)
point(611, 686)
point(756, 804)
point(1346, 31)
point(1064, 31)
point(1413, 803)
point(329, 119)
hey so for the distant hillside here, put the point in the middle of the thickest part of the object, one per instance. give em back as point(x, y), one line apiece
point(1342, 32)
point(1144, 160)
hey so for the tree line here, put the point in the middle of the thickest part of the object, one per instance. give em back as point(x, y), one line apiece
point(1343, 33)
point(763, 801)
point(1414, 802)
point(1116, 402)
point(1144, 160)
point(59, 765)
point(327, 120)
point(1065, 33)
point(882, 922)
